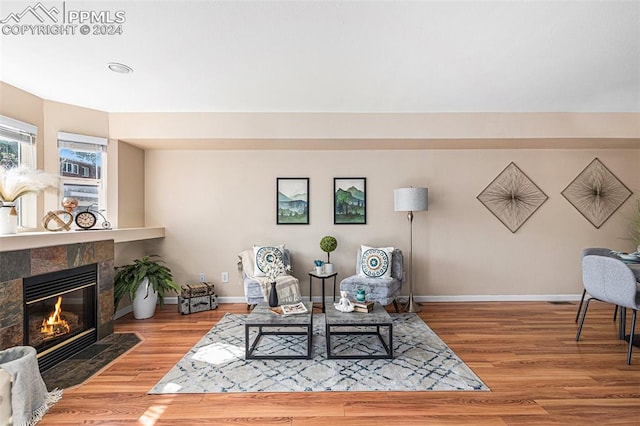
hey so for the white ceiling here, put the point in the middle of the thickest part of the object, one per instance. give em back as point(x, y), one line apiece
point(339, 56)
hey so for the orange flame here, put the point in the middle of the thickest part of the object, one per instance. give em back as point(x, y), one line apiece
point(55, 325)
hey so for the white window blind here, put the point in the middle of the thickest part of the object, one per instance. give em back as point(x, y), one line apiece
point(17, 148)
point(17, 143)
point(83, 165)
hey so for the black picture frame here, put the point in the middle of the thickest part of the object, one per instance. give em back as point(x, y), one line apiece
point(292, 201)
point(349, 201)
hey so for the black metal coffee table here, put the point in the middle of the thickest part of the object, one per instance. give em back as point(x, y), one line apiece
point(270, 324)
point(358, 323)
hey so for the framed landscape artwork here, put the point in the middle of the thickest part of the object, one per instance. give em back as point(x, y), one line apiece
point(349, 201)
point(292, 202)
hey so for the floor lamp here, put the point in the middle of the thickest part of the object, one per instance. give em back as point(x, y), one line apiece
point(411, 200)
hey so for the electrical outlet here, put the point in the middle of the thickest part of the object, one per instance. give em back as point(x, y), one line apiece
point(202, 278)
point(224, 277)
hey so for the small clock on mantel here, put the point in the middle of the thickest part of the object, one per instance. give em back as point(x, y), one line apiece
point(86, 219)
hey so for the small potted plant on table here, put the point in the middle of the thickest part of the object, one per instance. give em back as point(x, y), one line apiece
point(145, 281)
point(328, 244)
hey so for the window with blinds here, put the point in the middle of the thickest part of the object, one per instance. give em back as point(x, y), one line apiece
point(83, 167)
point(18, 147)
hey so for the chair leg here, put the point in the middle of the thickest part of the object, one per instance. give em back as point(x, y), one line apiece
point(584, 292)
point(622, 323)
point(249, 307)
point(395, 305)
point(615, 313)
point(633, 330)
point(584, 315)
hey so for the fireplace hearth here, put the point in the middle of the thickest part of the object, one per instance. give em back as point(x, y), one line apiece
point(60, 313)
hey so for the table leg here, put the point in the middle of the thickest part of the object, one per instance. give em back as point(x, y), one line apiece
point(246, 341)
point(636, 339)
point(310, 292)
point(309, 338)
point(327, 333)
point(334, 288)
point(323, 307)
point(387, 345)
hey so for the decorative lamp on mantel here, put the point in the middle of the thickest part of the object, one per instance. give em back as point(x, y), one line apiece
point(411, 200)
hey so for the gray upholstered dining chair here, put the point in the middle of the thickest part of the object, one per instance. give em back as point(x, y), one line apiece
point(377, 289)
point(596, 251)
point(609, 280)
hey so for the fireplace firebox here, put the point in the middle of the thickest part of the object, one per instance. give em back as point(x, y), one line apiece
point(60, 313)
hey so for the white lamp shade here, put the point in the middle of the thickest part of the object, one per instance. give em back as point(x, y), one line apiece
point(411, 199)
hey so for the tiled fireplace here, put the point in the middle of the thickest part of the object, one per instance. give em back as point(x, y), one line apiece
point(48, 275)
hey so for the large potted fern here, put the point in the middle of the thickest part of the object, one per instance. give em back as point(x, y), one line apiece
point(145, 281)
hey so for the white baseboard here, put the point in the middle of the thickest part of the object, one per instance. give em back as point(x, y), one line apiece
point(500, 298)
point(461, 298)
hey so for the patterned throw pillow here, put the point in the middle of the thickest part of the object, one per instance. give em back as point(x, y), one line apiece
point(376, 262)
point(264, 255)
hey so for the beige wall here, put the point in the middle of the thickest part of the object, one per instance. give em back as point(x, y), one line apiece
point(216, 203)
point(23, 106)
point(125, 177)
point(50, 118)
point(156, 127)
point(130, 175)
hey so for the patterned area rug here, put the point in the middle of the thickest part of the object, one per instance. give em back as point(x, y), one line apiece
point(422, 361)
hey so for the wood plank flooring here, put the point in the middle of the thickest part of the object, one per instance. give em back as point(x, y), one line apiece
point(524, 351)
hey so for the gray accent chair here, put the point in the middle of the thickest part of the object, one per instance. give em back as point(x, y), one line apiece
point(609, 280)
point(596, 251)
point(252, 289)
point(383, 290)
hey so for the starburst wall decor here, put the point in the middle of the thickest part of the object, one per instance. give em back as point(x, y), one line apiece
point(512, 197)
point(596, 193)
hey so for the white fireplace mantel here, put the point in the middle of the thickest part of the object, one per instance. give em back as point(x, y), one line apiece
point(29, 240)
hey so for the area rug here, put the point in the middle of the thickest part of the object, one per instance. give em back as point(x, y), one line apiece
point(422, 361)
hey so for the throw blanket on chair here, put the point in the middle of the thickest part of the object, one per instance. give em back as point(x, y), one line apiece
point(287, 286)
point(30, 399)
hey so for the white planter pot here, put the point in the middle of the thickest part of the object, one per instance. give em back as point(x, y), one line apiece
point(8, 221)
point(144, 306)
point(319, 270)
point(328, 268)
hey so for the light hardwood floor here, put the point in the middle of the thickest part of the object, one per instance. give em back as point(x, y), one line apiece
point(524, 351)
